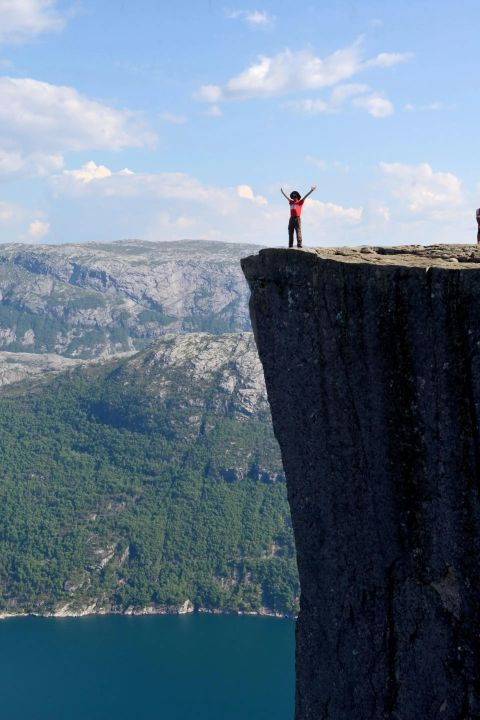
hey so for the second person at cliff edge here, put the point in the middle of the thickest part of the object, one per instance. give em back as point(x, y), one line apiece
point(295, 223)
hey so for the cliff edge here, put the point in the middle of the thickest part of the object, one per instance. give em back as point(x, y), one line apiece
point(372, 365)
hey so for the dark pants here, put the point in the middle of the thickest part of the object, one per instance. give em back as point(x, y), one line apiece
point(478, 236)
point(295, 224)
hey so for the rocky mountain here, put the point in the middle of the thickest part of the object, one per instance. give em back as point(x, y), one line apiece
point(144, 484)
point(18, 366)
point(91, 300)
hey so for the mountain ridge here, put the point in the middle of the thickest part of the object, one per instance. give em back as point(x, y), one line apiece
point(98, 299)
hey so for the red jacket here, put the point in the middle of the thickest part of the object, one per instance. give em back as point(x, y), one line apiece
point(295, 207)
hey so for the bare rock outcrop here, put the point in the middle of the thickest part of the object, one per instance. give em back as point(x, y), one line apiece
point(15, 367)
point(372, 365)
point(98, 299)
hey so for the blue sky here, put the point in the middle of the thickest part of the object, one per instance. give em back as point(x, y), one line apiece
point(122, 119)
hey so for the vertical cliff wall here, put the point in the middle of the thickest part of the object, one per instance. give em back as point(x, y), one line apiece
point(372, 365)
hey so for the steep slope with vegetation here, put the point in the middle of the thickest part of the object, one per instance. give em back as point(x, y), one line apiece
point(145, 482)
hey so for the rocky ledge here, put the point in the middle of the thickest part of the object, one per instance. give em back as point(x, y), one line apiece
point(372, 364)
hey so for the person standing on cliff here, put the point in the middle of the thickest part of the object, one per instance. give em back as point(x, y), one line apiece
point(295, 222)
point(478, 225)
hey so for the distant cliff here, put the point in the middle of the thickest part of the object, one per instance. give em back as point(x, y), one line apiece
point(99, 299)
point(372, 365)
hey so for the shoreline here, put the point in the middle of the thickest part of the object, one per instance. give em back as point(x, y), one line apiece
point(187, 608)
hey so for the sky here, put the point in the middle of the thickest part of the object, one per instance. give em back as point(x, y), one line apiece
point(168, 121)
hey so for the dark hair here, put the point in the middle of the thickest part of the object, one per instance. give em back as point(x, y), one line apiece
point(295, 195)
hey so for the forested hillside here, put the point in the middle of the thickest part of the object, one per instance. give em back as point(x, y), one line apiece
point(145, 482)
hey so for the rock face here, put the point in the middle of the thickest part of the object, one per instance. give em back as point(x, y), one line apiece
point(225, 364)
point(372, 365)
point(15, 367)
point(99, 299)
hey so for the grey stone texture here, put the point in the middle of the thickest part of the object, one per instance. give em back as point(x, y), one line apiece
point(98, 299)
point(372, 364)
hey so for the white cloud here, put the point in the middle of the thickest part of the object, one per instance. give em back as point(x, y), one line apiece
point(342, 93)
point(168, 206)
point(7, 212)
point(38, 229)
point(246, 192)
point(416, 204)
point(100, 180)
point(427, 107)
point(321, 164)
point(21, 20)
point(36, 164)
point(21, 224)
point(257, 17)
point(88, 172)
point(383, 212)
point(332, 211)
point(388, 60)
point(39, 117)
point(167, 186)
point(10, 163)
point(172, 118)
point(208, 93)
point(338, 97)
point(311, 107)
point(213, 111)
point(375, 104)
point(425, 192)
point(290, 71)
point(40, 122)
point(413, 202)
point(42, 164)
point(253, 18)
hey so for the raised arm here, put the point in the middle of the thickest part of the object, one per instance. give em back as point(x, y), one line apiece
point(284, 195)
point(314, 187)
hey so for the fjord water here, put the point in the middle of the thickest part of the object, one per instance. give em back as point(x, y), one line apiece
point(194, 667)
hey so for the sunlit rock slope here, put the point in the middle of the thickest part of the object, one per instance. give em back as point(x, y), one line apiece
point(98, 299)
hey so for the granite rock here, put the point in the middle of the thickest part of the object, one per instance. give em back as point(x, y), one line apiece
point(98, 299)
point(372, 366)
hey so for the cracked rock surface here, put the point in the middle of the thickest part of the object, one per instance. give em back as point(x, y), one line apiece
point(372, 364)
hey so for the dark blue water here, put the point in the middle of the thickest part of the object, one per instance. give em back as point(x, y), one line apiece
point(194, 667)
